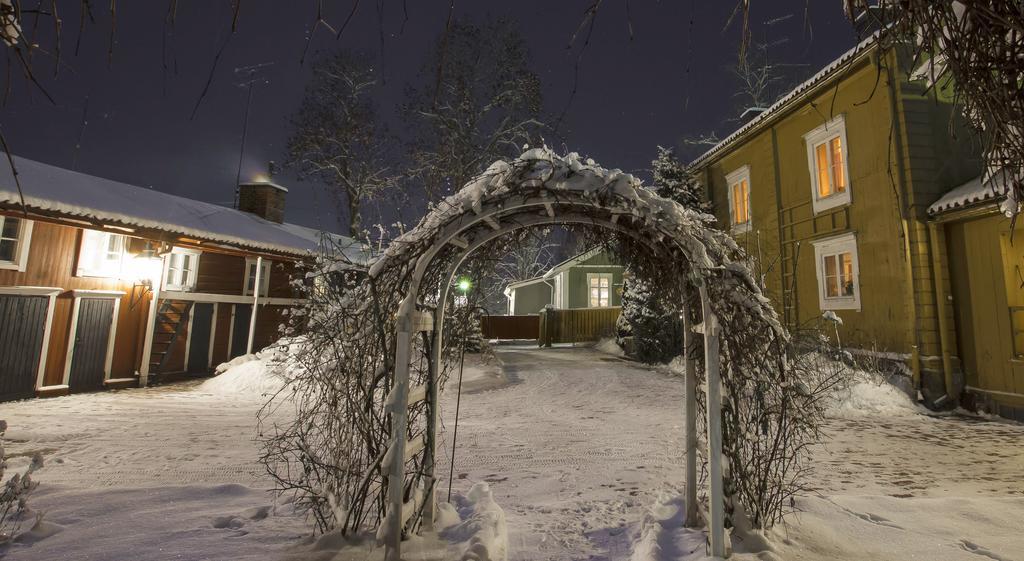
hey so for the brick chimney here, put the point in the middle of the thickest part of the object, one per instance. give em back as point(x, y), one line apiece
point(263, 197)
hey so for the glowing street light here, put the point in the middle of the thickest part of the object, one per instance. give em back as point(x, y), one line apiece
point(464, 285)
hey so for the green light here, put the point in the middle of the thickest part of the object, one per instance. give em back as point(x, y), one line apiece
point(464, 285)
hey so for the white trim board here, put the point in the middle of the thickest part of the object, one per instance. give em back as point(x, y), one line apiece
point(213, 334)
point(188, 336)
point(51, 307)
point(228, 298)
point(30, 290)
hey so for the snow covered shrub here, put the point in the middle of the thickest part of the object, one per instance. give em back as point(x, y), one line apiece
point(14, 494)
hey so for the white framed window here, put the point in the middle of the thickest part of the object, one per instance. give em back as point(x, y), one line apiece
point(15, 239)
point(827, 158)
point(250, 277)
point(739, 199)
point(838, 273)
point(599, 287)
point(181, 266)
point(102, 254)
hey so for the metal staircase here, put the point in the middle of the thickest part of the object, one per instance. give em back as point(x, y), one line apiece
point(170, 322)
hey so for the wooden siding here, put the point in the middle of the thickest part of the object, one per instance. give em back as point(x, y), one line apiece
point(221, 273)
point(531, 298)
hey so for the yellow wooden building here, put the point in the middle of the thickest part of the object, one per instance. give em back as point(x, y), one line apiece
point(836, 191)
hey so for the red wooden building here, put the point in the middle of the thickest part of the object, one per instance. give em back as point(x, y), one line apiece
point(104, 284)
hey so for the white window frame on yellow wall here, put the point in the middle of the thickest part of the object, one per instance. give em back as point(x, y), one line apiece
point(739, 179)
point(834, 248)
point(825, 197)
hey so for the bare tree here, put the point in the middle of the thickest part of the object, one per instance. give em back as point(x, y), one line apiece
point(482, 104)
point(338, 138)
point(527, 254)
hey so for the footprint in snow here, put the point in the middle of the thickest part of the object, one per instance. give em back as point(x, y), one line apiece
point(228, 522)
point(976, 549)
point(876, 519)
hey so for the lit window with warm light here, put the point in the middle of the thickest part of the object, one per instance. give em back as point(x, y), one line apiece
point(827, 164)
point(838, 273)
point(739, 199)
point(102, 254)
point(600, 286)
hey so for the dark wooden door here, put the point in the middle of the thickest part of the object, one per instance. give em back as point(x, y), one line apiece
point(21, 342)
point(199, 338)
point(240, 337)
point(91, 337)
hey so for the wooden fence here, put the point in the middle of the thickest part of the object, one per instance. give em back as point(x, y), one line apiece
point(510, 327)
point(577, 325)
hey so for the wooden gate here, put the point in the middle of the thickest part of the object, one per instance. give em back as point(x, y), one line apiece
point(21, 343)
point(577, 325)
point(510, 327)
point(92, 335)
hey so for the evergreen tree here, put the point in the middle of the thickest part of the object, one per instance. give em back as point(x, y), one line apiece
point(673, 181)
point(649, 321)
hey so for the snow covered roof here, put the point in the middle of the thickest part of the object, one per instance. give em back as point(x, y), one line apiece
point(573, 261)
point(785, 100)
point(525, 282)
point(66, 193)
point(969, 194)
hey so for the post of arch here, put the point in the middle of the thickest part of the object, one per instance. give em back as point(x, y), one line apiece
point(690, 370)
point(716, 507)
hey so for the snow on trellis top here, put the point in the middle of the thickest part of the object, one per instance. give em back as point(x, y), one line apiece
point(67, 193)
point(568, 177)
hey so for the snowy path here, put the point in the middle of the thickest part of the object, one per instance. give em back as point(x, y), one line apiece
point(579, 446)
point(576, 449)
point(160, 473)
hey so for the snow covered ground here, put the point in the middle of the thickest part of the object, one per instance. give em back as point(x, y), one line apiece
point(583, 452)
point(158, 473)
point(580, 450)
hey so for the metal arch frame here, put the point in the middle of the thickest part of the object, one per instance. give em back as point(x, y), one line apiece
point(504, 217)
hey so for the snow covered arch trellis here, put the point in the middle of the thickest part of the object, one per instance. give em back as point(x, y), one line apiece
point(541, 188)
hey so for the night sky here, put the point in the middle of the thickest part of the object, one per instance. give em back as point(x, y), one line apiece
point(671, 80)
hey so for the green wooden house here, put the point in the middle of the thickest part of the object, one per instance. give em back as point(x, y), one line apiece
point(592, 279)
